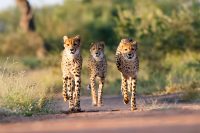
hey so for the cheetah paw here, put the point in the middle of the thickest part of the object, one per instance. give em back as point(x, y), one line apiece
point(77, 109)
point(99, 104)
point(65, 99)
point(94, 104)
point(126, 101)
point(133, 108)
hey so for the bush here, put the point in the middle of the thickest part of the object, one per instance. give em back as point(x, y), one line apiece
point(19, 94)
point(184, 75)
point(21, 44)
point(31, 62)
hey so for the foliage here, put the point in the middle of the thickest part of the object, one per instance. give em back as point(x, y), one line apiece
point(20, 44)
point(167, 31)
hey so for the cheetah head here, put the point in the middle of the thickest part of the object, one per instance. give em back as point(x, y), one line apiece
point(97, 50)
point(128, 48)
point(72, 45)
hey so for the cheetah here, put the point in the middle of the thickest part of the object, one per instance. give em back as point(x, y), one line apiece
point(71, 66)
point(97, 66)
point(127, 63)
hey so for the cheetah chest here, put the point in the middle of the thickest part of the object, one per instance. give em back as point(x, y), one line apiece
point(98, 68)
point(70, 67)
point(129, 68)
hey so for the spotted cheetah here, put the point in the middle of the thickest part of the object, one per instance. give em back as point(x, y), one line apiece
point(71, 66)
point(97, 66)
point(128, 64)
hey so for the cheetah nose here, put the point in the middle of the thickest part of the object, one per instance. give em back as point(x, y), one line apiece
point(71, 50)
point(129, 54)
point(96, 53)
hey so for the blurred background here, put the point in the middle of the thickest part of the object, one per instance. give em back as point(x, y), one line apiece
point(31, 42)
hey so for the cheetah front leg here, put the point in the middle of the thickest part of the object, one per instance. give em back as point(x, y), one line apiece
point(124, 89)
point(70, 94)
point(93, 91)
point(129, 82)
point(133, 95)
point(65, 95)
point(100, 92)
point(77, 92)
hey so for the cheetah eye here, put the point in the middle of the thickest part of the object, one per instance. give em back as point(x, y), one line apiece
point(125, 49)
point(99, 48)
point(132, 49)
point(67, 44)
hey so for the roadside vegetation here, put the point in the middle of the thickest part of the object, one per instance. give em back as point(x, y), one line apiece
point(168, 33)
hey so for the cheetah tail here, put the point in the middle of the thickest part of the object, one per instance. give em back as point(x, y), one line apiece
point(88, 87)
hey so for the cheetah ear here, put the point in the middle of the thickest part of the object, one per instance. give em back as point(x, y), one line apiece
point(102, 44)
point(78, 38)
point(65, 38)
point(123, 41)
point(92, 44)
point(135, 43)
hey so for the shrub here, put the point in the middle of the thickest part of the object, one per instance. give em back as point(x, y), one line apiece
point(184, 74)
point(20, 44)
point(19, 94)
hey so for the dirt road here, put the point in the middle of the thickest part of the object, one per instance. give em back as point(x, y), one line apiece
point(155, 115)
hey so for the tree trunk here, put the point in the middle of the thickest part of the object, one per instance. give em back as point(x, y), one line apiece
point(27, 20)
point(28, 26)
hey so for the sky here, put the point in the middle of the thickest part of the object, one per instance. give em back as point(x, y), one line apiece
point(4, 4)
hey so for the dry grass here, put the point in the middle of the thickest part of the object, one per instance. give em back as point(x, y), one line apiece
point(19, 93)
point(26, 86)
point(154, 104)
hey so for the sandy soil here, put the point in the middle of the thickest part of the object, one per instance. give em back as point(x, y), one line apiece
point(162, 114)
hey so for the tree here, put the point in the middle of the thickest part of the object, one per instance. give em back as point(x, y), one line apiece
point(27, 20)
point(28, 26)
